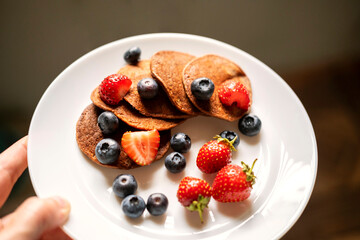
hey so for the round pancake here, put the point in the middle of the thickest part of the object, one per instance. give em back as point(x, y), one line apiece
point(88, 134)
point(219, 70)
point(159, 106)
point(167, 67)
point(133, 118)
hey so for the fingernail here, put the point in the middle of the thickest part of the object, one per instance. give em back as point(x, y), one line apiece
point(64, 204)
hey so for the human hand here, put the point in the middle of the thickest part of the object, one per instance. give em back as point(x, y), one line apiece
point(35, 218)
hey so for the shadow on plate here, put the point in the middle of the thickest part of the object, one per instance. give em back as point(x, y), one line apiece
point(234, 210)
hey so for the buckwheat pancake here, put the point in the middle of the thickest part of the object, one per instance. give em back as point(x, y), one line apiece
point(125, 112)
point(219, 70)
point(167, 67)
point(88, 134)
point(159, 106)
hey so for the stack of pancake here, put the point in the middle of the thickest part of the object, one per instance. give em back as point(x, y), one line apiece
point(174, 71)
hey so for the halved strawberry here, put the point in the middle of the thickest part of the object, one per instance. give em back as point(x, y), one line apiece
point(234, 92)
point(113, 88)
point(141, 146)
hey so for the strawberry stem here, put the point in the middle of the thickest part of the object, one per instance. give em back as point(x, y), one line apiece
point(227, 141)
point(199, 210)
point(253, 165)
point(199, 205)
point(250, 177)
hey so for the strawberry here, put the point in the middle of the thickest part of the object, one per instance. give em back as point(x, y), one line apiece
point(194, 194)
point(233, 92)
point(141, 146)
point(113, 88)
point(233, 183)
point(215, 154)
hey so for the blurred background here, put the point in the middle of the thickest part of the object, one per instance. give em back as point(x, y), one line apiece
point(313, 45)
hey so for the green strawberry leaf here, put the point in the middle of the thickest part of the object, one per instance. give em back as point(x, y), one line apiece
point(250, 177)
point(199, 205)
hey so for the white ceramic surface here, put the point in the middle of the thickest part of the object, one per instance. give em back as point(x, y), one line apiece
point(286, 149)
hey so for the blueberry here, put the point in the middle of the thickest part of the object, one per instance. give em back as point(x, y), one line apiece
point(157, 204)
point(107, 151)
point(124, 185)
point(132, 55)
point(230, 135)
point(180, 142)
point(147, 88)
point(108, 122)
point(175, 162)
point(202, 88)
point(133, 206)
point(250, 125)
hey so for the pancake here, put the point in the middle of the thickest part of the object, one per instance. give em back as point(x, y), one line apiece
point(219, 70)
point(159, 106)
point(167, 67)
point(132, 117)
point(88, 134)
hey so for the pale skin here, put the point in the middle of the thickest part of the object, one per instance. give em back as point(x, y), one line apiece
point(35, 218)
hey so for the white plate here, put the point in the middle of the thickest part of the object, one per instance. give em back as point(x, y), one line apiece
point(286, 149)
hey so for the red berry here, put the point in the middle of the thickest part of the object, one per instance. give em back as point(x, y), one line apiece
point(194, 194)
point(233, 183)
point(113, 88)
point(141, 146)
point(214, 155)
point(234, 92)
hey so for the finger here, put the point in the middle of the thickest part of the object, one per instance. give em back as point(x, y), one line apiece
point(35, 217)
point(13, 162)
point(55, 234)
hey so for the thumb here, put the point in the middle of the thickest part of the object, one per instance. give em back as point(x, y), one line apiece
point(34, 217)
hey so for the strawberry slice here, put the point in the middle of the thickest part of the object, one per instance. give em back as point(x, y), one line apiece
point(141, 146)
point(233, 92)
point(113, 88)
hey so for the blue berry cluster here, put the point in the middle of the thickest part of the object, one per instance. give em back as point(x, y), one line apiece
point(133, 206)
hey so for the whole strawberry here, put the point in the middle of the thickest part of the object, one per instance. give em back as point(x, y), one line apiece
point(214, 155)
point(194, 194)
point(233, 183)
point(113, 88)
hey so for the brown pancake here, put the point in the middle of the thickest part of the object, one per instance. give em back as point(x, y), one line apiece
point(88, 134)
point(167, 67)
point(219, 70)
point(133, 118)
point(159, 106)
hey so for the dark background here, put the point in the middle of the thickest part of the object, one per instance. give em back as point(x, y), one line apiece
point(313, 45)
